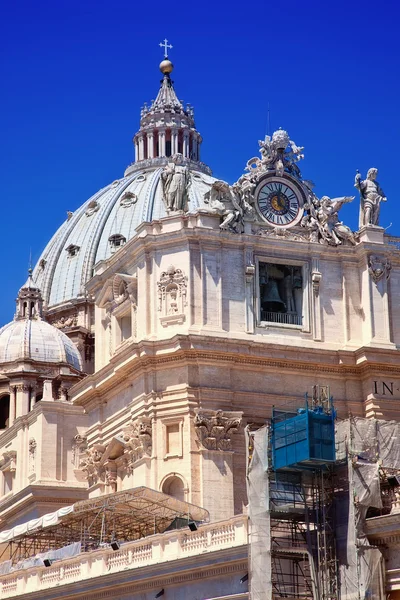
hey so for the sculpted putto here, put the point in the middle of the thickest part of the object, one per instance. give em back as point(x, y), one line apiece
point(371, 197)
point(175, 181)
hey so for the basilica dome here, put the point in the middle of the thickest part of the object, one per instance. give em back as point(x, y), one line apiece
point(110, 218)
point(105, 223)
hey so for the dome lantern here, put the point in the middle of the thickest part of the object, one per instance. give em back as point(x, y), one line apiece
point(29, 301)
point(167, 127)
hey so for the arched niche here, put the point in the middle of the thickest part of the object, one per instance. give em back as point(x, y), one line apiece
point(4, 411)
point(174, 486)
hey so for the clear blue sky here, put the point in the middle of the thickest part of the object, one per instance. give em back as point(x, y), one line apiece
point(75, 74)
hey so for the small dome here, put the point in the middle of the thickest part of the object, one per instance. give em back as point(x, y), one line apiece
point(31, 339)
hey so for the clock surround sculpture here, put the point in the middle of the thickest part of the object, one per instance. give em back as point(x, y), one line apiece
point(273, 192)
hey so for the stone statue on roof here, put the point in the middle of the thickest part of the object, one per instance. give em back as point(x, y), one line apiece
point(175, 181)
point(371, 197)
point(322, 221)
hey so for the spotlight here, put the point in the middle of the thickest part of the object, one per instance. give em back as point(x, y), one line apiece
point(115, 546)
point(244, 578)
point(192, 526)
point(47, 562)
point(159, 594)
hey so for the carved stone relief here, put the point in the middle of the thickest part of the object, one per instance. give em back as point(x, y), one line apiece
point(100, 463)
point(379, 267)
point(215, 428)
point(32, 454)
point(79, 445)
point(91, 464)
point(172, 289)
point(138, 441)
point(9, 461)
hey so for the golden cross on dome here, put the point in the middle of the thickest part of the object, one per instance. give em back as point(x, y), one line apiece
point(165, 45)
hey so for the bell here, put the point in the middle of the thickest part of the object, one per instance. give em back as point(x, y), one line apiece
point(271, 300)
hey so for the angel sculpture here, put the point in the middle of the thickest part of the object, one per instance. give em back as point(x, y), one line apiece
point(230, 202)
point(323, 221)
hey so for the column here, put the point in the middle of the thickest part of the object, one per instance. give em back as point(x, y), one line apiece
point(174, 142)
point(136, 150)
point(11, 417)
point(161, 143)
point(141, 148)
point(22, 400)
point(186, 143)
point(150, 145)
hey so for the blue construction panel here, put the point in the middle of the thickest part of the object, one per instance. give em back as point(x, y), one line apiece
point(304, 440)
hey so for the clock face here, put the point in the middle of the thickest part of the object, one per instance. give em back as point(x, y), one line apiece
point(279, 202)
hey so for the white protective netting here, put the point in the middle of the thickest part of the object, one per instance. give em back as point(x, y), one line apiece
point(367, 445)
point(259, 517)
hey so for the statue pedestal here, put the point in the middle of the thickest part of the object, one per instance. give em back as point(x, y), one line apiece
point(372, 234)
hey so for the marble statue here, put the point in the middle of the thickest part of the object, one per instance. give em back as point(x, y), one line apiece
point(231, 203)
point(322, 220)
point(371, 197)
point(175, 180)
point(279, 152)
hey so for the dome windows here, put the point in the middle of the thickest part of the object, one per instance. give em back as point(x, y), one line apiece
point(127, 199)
point(93, 207)
point(116, 241)
point(72, 250)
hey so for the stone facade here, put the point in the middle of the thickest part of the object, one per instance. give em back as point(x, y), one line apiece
point(188, 331)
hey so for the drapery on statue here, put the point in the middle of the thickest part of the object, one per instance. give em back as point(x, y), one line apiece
point(371, 197)
point(175, 181)
point(230, 201)
point(323, 223)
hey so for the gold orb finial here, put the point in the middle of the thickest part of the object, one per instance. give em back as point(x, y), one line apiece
point(166, 66)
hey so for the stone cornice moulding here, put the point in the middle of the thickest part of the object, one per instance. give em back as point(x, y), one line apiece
point(184, 351)
point(188, 229)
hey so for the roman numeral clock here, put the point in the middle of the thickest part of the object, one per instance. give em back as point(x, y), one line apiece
point(279, 200)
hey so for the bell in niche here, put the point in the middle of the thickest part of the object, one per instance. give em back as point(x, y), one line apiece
point(271, 300)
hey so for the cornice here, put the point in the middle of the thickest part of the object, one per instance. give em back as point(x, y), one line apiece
point(193, 349)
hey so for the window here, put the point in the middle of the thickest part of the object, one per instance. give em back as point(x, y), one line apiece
point(281, 293)
point(116, 241)
point(125, 326)
point(72, 250)
point(173, 441)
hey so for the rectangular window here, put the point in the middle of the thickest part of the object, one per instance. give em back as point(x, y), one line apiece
point(281, 297)
point(125, 324)
point(173, 441)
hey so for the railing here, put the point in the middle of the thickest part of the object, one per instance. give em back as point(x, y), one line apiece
point(160, 161)
point(282, 318)
point(158, 548)
point(393, 241)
